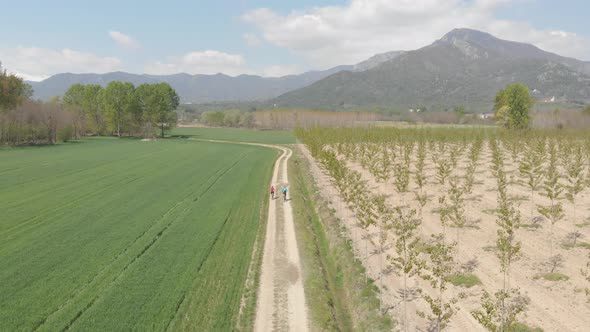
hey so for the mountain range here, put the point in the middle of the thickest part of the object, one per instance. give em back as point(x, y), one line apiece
point(465, 67)
point(191, 88)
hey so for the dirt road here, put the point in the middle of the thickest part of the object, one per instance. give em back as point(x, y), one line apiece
point(281, 300)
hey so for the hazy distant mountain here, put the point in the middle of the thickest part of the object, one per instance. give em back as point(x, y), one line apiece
point(192, 88)
point(465, 67)
point(206, 88)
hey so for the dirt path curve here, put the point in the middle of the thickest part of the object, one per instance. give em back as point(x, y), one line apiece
point(281, 299)
point(281, 302)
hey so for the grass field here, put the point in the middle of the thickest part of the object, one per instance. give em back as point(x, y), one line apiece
point(238, 135)
point(113, 234)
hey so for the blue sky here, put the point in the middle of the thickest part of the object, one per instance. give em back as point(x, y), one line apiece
point(270, 38)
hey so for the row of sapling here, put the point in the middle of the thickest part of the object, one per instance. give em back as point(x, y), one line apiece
point(443, 169)
point(437, 271)
point(587, 148)
point(402, 168)
point(454, 154)
point(574, 164)
point(403, 224)
point(513, 145)
point(367, 216)
point(371, 211)
point(353, 191)
point(531, 170)
point(500, 310)
point(437, 150)
point(383, 172)
point(439, 265)
point(420, 176)
point(474, 154)
point(552, 190)
point(452, 210)
point(377, 159)
point(469, 177)
point(404, 260)
point(436, 268)
point(586, 274)
point(384, 227)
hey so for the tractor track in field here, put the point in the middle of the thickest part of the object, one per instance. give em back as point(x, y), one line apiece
point(198, 269)
point(211, 181)
point(281, 304)
point(38, 219)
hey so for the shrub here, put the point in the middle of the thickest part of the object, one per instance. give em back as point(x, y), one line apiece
point(555, 276)
point(512, 106)
point(65, 134)
point(464, 280)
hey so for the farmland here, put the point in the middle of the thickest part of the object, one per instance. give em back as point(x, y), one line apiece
point(120, 234)
point(464, 229)
point(237, 135)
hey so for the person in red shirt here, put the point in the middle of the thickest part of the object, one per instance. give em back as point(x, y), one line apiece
point(272, 191)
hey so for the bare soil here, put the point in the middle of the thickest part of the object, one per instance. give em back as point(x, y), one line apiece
point(554, 306)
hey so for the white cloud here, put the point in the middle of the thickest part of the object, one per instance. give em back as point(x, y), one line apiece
point(213, 62)
point(252, 40)
point(205, 62)
point(334, 35)
point(39, 63)
point(124, 40)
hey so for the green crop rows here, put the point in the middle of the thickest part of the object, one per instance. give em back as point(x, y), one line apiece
point(123, 234)
point(237, 134)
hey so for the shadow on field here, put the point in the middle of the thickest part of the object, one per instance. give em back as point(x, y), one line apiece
point(183, 136)
point(40, 145)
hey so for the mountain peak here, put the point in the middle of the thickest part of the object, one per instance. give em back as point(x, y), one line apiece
point(465, 67)
point(470, 35)
point(479, 42)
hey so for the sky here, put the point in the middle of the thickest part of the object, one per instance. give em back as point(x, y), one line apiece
point(262, 37)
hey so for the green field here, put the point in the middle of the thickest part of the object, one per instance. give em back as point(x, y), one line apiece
point(112, 235)
point(238, 135)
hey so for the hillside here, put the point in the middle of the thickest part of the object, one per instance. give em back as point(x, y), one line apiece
point(465, 67)
point(376, 60)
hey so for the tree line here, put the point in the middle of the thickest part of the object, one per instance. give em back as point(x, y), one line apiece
point(228, 118)
point(118, 109)
point(121, 108)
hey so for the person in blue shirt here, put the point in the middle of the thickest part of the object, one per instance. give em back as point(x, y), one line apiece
point(284, 190)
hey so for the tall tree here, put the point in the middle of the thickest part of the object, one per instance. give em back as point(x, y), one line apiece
point(118, 101)
point(13, 91)
point(159, 102)
point(512, 106)
point(74, 100)
point(92, 105)
point(141, 112)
